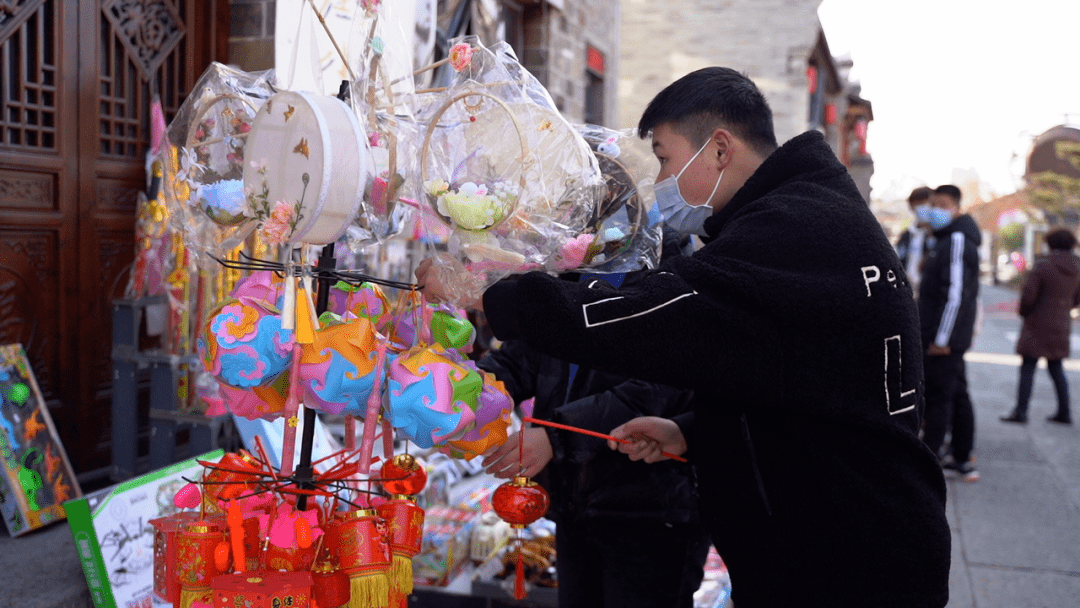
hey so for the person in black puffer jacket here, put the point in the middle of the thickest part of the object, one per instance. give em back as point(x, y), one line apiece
point(628, 533)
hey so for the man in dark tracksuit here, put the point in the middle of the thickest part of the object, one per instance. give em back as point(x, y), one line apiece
point(948, 305)
point(799, 336)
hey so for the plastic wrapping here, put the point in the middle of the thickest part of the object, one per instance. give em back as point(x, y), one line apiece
point(203, 158)
point(501, 167)
point(625, 227)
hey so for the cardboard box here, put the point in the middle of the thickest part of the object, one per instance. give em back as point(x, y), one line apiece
point(114, 538)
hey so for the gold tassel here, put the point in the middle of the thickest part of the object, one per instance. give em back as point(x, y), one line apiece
point(369, 591)
point(401, 576)
point(189, 596)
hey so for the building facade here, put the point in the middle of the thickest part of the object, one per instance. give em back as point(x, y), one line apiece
point(779, 44)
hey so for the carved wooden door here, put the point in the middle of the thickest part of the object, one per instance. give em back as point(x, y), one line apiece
point(75, 86)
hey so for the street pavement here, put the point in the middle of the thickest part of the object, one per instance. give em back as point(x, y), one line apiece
point(1016, 532)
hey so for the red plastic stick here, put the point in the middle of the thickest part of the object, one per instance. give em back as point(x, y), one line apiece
point(575, 429)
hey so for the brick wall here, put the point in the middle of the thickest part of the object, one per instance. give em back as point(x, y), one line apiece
point(251, 34)
point(769, 40)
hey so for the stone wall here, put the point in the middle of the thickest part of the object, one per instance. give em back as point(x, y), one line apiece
point(768, 40)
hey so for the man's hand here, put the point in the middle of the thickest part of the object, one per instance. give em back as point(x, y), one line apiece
point(446, 281)
point(649, 435)
point(502, 461)
point(938, 351)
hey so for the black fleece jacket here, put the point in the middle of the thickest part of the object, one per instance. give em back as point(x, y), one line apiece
point(586, 480)
point(799, 335)
point(949, 292)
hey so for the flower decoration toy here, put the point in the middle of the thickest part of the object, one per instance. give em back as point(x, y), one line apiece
point(204, 156)
point(501, 168)
point(307, 167)
point(364, 301)
point(338, 370)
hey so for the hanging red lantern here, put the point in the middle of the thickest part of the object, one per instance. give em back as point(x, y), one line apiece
point(195, 563)
point(166, 531)
point(403, 475)
point(358, 539)
point(405, 521)
point(331, 585)
point(520, 501)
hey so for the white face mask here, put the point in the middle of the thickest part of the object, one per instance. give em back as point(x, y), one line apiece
point(678, 214)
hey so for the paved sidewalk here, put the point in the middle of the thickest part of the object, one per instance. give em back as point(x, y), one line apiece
point(1016, 532)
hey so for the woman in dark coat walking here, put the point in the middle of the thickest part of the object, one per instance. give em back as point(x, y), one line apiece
point(1050, 292)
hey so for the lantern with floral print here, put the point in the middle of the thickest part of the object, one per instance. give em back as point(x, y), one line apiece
point(195, 563)
point(331, 585)
point(358, 539)
point(166, 531)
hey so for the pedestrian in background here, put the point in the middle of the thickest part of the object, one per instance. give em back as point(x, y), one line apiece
point(1050, 293)
point(948, 307)
point(916, 240)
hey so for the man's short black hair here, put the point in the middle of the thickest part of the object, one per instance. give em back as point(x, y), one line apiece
point(950, 191)
point(1061, 239)
point(710, 98)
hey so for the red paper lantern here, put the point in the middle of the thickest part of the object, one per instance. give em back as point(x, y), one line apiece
point(403, 476)
point(520, 501)
point(166, 531)
point(406, 524)
point(263, 589)
point(233, 468)
point(330, 587)
point(358, 539)
point(195, 548)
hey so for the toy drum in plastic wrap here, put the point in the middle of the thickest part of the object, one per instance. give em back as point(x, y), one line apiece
point(359, 541)
point(263, 589)
point(308, 168)
point(166, 529)
point(195, 548)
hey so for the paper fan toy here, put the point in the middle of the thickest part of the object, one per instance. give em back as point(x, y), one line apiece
point(204, 158)
point(243, 345)
point(306, 170)
point(492, 419)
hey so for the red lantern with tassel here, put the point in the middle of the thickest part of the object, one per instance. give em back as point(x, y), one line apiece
point(359, 541)
point(406, 523)
point(520, 502)
point(166, 531)
point(331, 585)
point(263, 589)
point(196, 546)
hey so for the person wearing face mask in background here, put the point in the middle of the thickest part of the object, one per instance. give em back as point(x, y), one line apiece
point(915, 242)
point(814, 484)
point(948, 307)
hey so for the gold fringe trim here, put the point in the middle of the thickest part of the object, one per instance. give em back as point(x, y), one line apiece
point(197, 594)
point(369, 591)
point(401, 575)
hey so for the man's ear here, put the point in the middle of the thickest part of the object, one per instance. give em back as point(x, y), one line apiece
point(725, 142)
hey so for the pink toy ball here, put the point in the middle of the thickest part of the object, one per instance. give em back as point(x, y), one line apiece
point(243, 345)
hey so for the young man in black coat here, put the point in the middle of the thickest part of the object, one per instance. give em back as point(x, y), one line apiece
point(797, 333)
point(948, 306)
